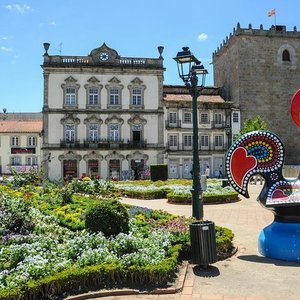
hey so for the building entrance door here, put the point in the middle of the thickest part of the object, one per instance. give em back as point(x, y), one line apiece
point(136, 136)
point(70, 169)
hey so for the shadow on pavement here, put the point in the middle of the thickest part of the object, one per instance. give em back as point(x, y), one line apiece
point(210, 271)
point(266, 260)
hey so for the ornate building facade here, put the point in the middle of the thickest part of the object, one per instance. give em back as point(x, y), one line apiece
point(102, 114)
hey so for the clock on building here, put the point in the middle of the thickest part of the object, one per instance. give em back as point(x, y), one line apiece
point(103, 56)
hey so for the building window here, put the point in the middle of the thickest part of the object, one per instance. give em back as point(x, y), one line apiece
point(136, 89)
point(173, 118)
point(187, 140)
point(70, 97)
point(31, 161)
point(187, 117)
point(93, 96)
point(219, 140)
point(114, 93)
point(31, 141)
point(204, 140)
point(114, 132)
point(114, 96)
point(15, 161)
point(93, 132)
point(137, 96)
point(204, 118)
point(173, 140)
point(70, 88)
point(235, 117)
point(15, 141)
point(286, 55)
point(70, 133)
point(218, 119)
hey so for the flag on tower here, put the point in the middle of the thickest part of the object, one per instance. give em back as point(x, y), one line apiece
point(272, 12)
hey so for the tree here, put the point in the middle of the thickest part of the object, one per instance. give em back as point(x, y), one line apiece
point(252, 124)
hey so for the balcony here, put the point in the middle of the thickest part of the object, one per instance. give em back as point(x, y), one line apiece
point(69, 143)
point(169, 124)
point(215, 124)
point(210, 147)
point(115, 144)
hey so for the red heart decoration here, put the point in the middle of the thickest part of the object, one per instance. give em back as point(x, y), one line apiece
point(241, 164)
point(279, 195)
point(295, 108)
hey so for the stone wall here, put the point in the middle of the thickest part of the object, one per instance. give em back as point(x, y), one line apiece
point(250, 68)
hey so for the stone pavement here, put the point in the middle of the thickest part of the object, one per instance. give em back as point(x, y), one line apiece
point(246, 275)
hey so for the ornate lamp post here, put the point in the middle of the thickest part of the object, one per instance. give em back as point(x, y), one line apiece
point(202, 233)
point(189, 67)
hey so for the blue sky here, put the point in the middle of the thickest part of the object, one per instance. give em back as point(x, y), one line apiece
point(133, 28)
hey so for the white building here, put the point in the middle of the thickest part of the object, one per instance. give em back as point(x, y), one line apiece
point(102, 114)
point(214, 127)
point(20, 142)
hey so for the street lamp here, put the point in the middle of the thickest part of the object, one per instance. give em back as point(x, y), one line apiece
point(189, 67)
point(202, 233)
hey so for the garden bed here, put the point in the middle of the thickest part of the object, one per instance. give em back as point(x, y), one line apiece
point(46, 251)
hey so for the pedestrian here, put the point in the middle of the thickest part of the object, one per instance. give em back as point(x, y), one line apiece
point(207, 171)
point(221, 172)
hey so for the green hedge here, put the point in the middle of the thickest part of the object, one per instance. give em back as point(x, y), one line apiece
point(207, 198)
point(159, 172)
point(80, 280)
point(147, 194)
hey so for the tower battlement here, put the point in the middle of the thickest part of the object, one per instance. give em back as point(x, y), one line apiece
point(274, 31)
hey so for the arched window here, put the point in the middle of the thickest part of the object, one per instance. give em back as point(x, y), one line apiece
point(286, 55)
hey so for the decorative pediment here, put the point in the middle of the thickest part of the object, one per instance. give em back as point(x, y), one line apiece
point(104, 54)
point(137, 155)
point(93, 119)
point(93, 156)
point(70, 79)
point(136, 81)
point(114, 119)
point(70, 155)
point(114, 155)
point(70, 118)
point(114, 80)
point(93, 80)
point(136, 120)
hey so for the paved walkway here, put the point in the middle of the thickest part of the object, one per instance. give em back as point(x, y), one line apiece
point(247, 275)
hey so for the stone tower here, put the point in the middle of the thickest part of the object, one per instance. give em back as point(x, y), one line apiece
point(259, 71)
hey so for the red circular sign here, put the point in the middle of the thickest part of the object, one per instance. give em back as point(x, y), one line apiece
point(295, 108)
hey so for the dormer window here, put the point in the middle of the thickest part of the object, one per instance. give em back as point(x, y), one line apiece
point(286, 55)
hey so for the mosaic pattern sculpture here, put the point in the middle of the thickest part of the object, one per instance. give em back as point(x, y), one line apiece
point(262, 153)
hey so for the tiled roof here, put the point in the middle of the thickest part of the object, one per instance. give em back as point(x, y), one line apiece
point(19, 126)
point(187, 98)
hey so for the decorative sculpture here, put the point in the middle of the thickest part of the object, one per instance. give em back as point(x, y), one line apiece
point(262, 153)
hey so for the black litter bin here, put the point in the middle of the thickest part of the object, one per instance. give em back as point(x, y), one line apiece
point(203, 243)
point(225, 183)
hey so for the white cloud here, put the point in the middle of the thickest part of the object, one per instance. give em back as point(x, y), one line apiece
point(22, 9)
point(202, 37)
point(6, 49)
point(5, 38)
